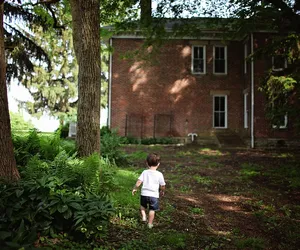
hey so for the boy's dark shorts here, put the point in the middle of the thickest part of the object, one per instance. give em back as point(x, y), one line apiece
point(151, 201)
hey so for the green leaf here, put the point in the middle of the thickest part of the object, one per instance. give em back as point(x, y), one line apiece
point(4, 235)
point(19, 192)
point(13, 244)
point(68, 214)
point(63, 208)
point(75, 205)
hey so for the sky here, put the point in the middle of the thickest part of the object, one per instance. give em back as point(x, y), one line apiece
point(15, 93)
point(45, 123)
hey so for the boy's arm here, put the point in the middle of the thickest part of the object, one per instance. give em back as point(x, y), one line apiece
point(135, 188)
point(162, 190)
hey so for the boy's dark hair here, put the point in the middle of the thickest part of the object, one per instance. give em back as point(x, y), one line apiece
point(153, 160)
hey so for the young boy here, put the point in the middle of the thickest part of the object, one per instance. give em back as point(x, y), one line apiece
point(153, 185)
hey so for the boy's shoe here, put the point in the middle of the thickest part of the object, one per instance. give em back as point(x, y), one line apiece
point(150, 226)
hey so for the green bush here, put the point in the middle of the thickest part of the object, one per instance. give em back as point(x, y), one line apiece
point(18, 123)
point(63, 130)
point(65, 195)
point(105, 130)
point(111, 148)
point(45, 146)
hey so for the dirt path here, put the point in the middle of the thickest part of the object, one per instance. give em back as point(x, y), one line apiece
point(228, 198)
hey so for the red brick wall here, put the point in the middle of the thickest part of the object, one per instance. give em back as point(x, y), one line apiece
point(168, 87)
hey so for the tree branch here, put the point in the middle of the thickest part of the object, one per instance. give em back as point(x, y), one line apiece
point(287, 12)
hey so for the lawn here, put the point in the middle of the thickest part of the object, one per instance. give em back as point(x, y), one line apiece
point(215, 199)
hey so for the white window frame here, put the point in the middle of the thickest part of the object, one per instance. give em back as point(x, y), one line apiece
point(214, 58)
point(226, 113)
point(278, 69)
point(245, 58)
point(204, 60)
point(285, 123)
point(246, 110)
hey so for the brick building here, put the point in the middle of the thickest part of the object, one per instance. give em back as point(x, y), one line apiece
point(199, 85)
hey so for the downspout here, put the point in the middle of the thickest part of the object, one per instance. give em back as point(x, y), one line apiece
point(109, 85)
point(252, 93)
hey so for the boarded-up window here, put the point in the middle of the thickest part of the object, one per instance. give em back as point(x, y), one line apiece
point(162, 125)
point(134, 125)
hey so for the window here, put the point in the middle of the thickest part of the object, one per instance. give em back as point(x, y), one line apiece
point(245, 58)
point(220, 111)
point(246, 110)
point(283, 120)
point(279, 62)
point(220, 60)
point(198, 60)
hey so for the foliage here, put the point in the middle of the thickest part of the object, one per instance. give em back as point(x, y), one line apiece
point(47, 206)
point(18, 123)
point(21, 49)
point(281, 92)
point(34, 143)
point(250, 170)
point(252, 243)
point(62, 195)
point(111, 146)
point(281, 18)
point(63, 130)
point(55, 91)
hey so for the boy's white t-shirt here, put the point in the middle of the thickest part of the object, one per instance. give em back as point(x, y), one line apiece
point(151, 179)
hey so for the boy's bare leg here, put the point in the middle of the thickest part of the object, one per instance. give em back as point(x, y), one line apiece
point(143, 213)
point(151, 217)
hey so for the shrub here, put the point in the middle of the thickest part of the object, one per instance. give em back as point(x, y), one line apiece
point(63, 130)
point(111, 148)
point(45, 146)
point(65, 195)
point(18, 123)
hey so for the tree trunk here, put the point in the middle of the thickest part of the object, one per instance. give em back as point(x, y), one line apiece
point(8, 168)
point(146, 10)
point(86, 39)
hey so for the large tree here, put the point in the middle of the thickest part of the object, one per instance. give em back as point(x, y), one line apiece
point(86, 39)
point(20, 50)
point(8, 169)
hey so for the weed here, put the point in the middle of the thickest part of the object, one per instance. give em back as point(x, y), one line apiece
point(166, 211)
point(184, 153)
point(288, 175)
point(214, 165)
point(250, 170)
point(211, 152)
point(236, 231)
point(185, 189)
point(203, 180)
point(251, 242)
point(197, 210)
point(171, 238)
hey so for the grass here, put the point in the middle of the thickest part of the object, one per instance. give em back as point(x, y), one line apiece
point(251, 243)
point(138, 155)
point(257, 201)
point(250, 170)
point(197, 211)
point(125, 180)
point(203, 180)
